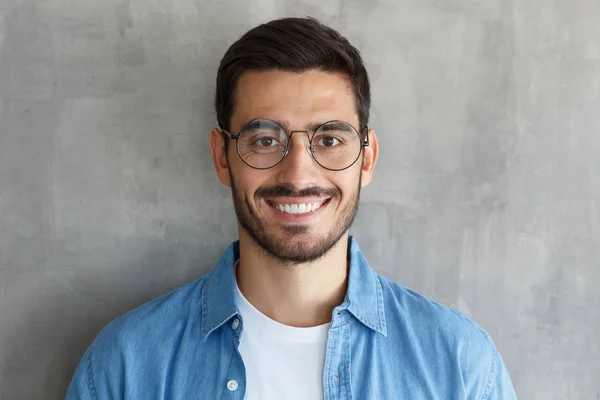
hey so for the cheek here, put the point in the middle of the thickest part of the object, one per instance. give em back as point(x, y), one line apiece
point(349, 182)
point(247, 182)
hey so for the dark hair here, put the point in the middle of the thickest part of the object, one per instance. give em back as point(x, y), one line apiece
point(295, 45)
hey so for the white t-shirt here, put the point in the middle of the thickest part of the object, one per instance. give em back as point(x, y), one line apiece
point(282, 362)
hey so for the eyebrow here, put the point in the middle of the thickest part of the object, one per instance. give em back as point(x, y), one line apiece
point(252, 125)
point(331, 125)
point(337, 126)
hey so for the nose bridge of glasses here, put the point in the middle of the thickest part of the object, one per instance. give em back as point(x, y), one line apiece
point(308, 137)
point(292, 134)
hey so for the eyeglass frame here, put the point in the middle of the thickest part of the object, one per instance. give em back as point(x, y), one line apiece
point(363, 142)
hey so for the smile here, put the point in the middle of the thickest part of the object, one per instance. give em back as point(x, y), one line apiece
point(297, 208)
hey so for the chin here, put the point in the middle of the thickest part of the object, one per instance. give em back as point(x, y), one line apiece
point(296, 244)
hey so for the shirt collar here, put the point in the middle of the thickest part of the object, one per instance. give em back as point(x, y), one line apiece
point(364, 297)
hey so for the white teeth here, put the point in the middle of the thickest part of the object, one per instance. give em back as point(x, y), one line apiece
point(301, 208)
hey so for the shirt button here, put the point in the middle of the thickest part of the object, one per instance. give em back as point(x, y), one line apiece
point(336, 379)
point(235, 324)
point(232, 385)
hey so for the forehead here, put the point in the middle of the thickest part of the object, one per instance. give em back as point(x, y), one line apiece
point(297, 99)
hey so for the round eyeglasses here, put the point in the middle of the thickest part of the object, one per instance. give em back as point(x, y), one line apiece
point(334, 145)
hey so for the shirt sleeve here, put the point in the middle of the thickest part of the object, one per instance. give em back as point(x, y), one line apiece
point(81, 387)
point(499, 385)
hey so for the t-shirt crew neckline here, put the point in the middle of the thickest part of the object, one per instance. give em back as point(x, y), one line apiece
point(276, 330)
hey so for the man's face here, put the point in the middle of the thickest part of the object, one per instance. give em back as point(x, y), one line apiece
point(296, 102)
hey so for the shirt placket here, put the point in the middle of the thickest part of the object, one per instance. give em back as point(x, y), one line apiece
point(336, 373)
point(234, 381)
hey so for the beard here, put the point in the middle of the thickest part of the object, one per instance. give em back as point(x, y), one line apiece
point(293, 244)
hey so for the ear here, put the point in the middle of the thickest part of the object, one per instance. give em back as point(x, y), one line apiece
point(370, 158)
point(219, 156)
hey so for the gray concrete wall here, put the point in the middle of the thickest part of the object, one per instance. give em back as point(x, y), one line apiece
point(486, 196)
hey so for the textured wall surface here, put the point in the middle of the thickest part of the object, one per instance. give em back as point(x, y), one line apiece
point(486, 195)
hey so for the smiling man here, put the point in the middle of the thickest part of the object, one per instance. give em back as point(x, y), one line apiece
point(292, 310)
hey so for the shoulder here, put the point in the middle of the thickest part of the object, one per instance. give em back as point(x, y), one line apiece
point(145, 336)
point(448, 341)
point(423, 313)
point(140, 331)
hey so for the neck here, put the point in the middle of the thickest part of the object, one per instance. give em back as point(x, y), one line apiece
point(301, 295)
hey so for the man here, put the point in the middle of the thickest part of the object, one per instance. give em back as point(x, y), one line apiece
point(292, 310)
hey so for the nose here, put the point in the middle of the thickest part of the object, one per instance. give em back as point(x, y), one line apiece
point(298, 167)
point(300, 143)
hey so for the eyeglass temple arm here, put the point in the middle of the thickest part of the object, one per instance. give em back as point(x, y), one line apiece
point(365, 142)
point(231, 135)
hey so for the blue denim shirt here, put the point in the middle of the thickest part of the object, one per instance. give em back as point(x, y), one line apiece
point(385, 342)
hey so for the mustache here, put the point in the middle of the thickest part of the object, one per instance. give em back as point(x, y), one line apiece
point(290, 191)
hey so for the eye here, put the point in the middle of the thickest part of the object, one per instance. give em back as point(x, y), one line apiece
point(328, 141)
point(265, 141)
